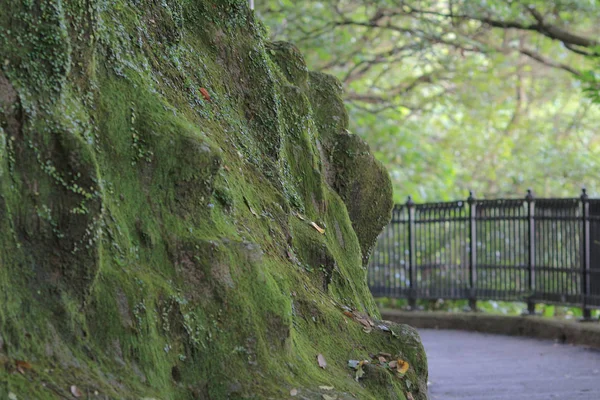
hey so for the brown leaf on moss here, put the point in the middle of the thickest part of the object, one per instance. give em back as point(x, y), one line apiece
point(402, 366)
point(321, 361)
point(359, 317)
point(409, 396)
point(205, 94)
point(317, 227)
point(250, 207)
point(393, 364)
point(364, 318)
point(364, 322)
point(75, 391)
point(22, 366)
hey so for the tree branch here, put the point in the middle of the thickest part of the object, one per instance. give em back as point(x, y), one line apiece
point(390, 92)
point(540, 26)
point(548, 62)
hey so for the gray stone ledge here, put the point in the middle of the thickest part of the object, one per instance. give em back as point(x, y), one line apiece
point(571, 332)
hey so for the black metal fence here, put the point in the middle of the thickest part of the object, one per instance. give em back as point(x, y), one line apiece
point(530, 250)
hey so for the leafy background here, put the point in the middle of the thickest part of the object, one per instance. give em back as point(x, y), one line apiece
point(490, 96)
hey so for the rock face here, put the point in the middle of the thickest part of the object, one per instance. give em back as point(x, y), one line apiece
point(165, 177)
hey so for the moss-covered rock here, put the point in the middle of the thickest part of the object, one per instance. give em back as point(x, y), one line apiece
point(165, 175)
point(350, 168)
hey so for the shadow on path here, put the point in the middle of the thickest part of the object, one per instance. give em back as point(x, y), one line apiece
point(479, 366)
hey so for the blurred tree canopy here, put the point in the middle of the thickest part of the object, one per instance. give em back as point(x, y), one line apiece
point(494, 96)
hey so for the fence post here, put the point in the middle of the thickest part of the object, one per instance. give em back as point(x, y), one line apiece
point(531, 263)
point(472, 253)
point(585, 247)
point(412, 264)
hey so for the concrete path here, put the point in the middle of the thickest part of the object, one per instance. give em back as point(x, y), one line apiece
point(479, 366)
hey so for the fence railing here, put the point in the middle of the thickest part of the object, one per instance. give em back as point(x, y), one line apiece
point(530, 250)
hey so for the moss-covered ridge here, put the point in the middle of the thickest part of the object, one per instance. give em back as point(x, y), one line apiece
point(160, 168)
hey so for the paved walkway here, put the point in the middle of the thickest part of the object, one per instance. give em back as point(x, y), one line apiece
point(477, 366)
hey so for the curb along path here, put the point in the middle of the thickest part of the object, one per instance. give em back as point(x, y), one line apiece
point(481, 366)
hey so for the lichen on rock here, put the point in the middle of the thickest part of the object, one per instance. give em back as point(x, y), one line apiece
point(163, 169)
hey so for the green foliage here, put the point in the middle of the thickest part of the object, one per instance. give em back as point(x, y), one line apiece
point(451, 99)
point(591, 79)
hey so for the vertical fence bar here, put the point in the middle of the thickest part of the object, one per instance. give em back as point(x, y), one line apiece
point(472, 253)
point(412, 267)
point(585, 245)
point(531, 262)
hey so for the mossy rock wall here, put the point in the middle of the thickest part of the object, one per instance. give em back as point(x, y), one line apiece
point(163, 173)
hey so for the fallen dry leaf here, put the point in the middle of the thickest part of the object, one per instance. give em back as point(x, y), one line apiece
point(393, 364)
point(293, 392)
point(402, 366)
point(382, 359)
point(363, 321)
point(326, 387)
point(321, 361)
point(317, 227)
point(382, 354)
point(409, 396)
point(250, 207)
point(205, 94)
point(75, 391)
point(362, 318)
point(327, 397)
point(22, 366)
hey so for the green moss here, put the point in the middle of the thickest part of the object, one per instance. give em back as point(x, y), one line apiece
point(160, 170)
point(349, 166)
point(290, 61)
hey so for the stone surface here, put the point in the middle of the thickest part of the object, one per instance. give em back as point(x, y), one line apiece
point(163, 173)
point(564, 331)
point(479, 366)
